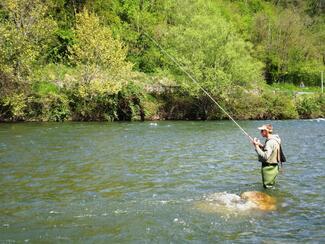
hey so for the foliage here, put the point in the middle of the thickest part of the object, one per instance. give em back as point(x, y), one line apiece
point(25, 35)
point(48, 107)
point(152, 107)
point(94, 60)
point(279, 106)
point(84, 106)
point(311, 106)
point(292, 89)
point(244, 104)
point(221, 58)
point(98, 87)
point(96, 52)
point(59, 49)
point(287, 48)
point(12, 108)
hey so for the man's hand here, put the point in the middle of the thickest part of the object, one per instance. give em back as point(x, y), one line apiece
point(256, 142)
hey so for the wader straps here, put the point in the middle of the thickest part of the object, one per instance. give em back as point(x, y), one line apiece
point(278, 155)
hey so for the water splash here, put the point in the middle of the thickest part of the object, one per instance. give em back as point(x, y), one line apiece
point(227, 203)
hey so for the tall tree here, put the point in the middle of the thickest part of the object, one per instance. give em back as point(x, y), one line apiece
point(26, 33)
point(96, 54)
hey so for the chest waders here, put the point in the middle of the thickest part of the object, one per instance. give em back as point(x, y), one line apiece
point(269, 174)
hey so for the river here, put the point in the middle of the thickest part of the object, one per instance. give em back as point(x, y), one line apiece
point(141, 182)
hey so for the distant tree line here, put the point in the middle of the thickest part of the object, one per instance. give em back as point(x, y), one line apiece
point(92, 59)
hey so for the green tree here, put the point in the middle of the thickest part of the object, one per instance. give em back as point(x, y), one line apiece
point(287, 47)
point(208, 45)
point(96, 53)
point(101, 69)
point(26, 33)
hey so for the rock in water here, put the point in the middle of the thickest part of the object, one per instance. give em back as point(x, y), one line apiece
point(223, 202)
point(261, 199)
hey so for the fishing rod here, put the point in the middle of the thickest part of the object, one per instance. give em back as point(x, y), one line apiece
point(197, 83)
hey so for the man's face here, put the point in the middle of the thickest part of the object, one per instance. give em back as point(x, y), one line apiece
point(264, 133)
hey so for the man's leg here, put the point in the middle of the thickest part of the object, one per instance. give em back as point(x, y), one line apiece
point(269, 174)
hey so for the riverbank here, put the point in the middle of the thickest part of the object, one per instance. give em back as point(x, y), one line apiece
point(133, 103)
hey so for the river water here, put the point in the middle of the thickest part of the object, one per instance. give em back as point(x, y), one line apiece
point(141, 182)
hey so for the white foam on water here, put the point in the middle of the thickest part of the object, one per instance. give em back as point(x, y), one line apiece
point(224, 202)
point(179, 221)
point(85, 216)
point(119, 211)
point(317, 119)
point(54, 212)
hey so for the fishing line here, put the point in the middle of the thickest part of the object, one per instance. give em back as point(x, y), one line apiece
point(197, 83)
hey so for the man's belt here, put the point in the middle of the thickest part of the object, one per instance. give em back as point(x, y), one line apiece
point(269, 164)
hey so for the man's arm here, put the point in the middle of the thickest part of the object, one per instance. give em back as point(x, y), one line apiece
point(268, 148)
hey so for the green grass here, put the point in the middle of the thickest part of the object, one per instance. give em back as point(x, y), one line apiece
point(288, 87)
point(44, 88)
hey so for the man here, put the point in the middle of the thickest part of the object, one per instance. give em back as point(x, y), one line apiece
point(268, 155)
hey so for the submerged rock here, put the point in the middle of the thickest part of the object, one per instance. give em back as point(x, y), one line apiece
point(263, 201)
point(223, 202)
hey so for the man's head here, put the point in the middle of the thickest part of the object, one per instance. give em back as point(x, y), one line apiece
point(266, 130)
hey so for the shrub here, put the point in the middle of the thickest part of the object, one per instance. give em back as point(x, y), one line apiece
point(86, 105)
point(245, 104)
point(130, 103)
point(151, 107)
point(310, 106)
point(279, 106)
point(48, 107)
point(12, 108)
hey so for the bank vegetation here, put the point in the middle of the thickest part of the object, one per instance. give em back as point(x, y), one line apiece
point(93, 60)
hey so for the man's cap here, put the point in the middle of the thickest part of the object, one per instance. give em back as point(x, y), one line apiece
point(268, 128)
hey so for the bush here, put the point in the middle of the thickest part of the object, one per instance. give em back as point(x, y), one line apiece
point(246, 104)
point(87, 105)
point(279, 106)
point(310, 106)
point(130, 103)
point(12, 108)
point(48, 107)
point(151, 107)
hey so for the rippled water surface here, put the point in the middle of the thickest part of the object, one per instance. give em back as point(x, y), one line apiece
point(140, 182)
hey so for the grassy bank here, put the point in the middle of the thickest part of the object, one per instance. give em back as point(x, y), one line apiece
point(49, 102)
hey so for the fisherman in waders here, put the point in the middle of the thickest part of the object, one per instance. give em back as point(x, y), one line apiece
point(268, 155)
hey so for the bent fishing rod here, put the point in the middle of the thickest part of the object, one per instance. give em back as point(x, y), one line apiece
point(197, 83)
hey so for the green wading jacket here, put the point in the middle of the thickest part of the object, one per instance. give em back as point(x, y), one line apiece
point(270, 153)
